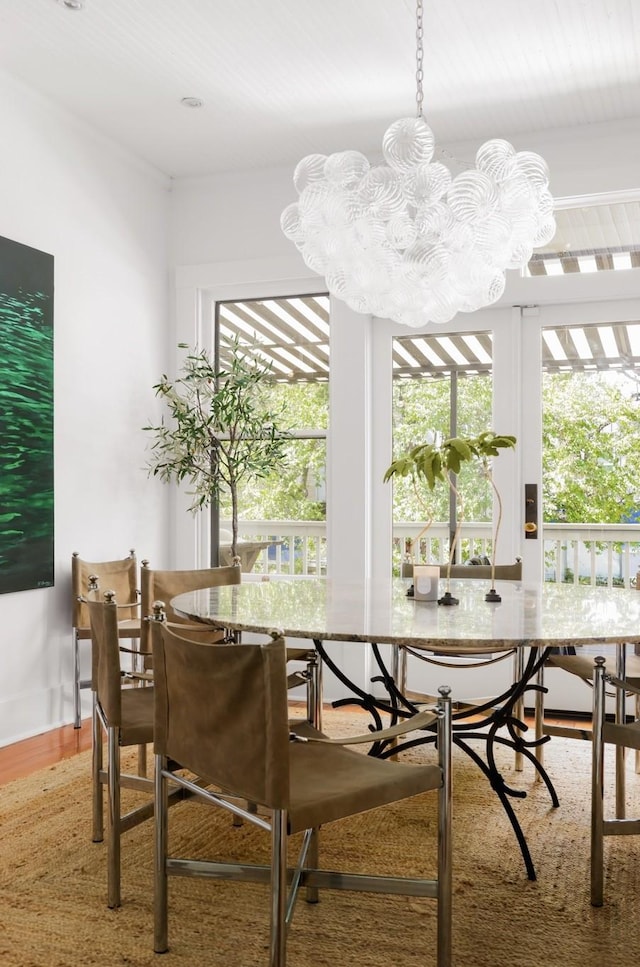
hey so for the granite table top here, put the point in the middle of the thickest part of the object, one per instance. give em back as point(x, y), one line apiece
point(543, 615)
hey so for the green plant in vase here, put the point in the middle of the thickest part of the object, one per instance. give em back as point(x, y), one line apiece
point(430, 465)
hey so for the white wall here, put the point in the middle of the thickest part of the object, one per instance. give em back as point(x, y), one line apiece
point(103, 216)
point(583, 160)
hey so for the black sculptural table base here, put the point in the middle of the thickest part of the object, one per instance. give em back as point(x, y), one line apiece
point(499, 713)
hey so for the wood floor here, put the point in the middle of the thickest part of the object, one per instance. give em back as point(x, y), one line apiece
point(22, 758)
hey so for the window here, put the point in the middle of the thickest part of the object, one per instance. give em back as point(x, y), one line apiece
point(442, 387)
point(290, 336)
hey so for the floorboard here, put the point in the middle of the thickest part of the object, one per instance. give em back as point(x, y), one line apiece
point(20, 759)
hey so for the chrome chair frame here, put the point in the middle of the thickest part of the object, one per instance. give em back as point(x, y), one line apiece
point(114, 719)
point(623, 736)
point(86, 577)
point(306, 873)
point(627, 669)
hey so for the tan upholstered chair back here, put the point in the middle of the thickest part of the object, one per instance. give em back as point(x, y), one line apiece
point(221, 711)
point(162, 586)
point(119, 576)
point(503, 572)
point(105, 658)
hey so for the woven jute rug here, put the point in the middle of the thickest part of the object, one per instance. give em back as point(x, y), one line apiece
point(53, 909)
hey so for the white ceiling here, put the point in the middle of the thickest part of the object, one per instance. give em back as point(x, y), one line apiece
point(283, 78)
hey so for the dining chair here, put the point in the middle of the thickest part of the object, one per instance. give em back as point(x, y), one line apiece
point(624, 735)
point(581, 666)
point(89, 580)
point(454, 661)
point(124, 716)
point(502, 572)
point(244, 745)
point(162, 585)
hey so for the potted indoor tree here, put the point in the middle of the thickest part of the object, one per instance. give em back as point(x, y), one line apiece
point(221, 429)
point(430, 464)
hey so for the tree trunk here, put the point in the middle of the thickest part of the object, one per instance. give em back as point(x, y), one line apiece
point(234, 521)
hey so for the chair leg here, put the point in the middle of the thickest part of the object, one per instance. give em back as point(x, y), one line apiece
point(445, 799)
point(76, 680)
point(518, 709)
point(539, 721)
point(113, 824)
point(312, 894)
point(278, 948)
point(96, 769)
point(621, 752)
point(597, 790)
point(142, 761)
point(402, 670)
point(638, 750)
point(314, 691)
point(160, 903)
point(399, 675)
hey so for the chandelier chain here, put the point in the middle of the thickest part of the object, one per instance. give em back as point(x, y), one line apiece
point(419, 58)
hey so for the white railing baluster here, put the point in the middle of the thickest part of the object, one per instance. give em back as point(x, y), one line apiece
point(567, 546)
point(558, 564)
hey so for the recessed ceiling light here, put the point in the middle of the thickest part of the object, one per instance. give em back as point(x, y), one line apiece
point(72, 4)
point(192, 101)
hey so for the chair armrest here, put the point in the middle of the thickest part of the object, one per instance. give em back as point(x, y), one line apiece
point(419, 721)
point(295, 679)
point(620, 683)
point(137, 676)
point(129, 604)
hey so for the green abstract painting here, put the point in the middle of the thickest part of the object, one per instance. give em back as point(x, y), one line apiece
point(26, 417)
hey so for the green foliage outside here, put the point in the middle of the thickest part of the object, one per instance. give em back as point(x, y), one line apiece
point(295, 491)
point(591, 452)
point(591, 446)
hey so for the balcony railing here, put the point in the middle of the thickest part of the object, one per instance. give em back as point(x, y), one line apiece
point(607, 554)
point(298, 546)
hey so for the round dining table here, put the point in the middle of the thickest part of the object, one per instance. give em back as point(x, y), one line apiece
point(527, 619)
point(541, 615)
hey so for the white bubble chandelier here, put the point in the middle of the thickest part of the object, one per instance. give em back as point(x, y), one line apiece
point(406, 240)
